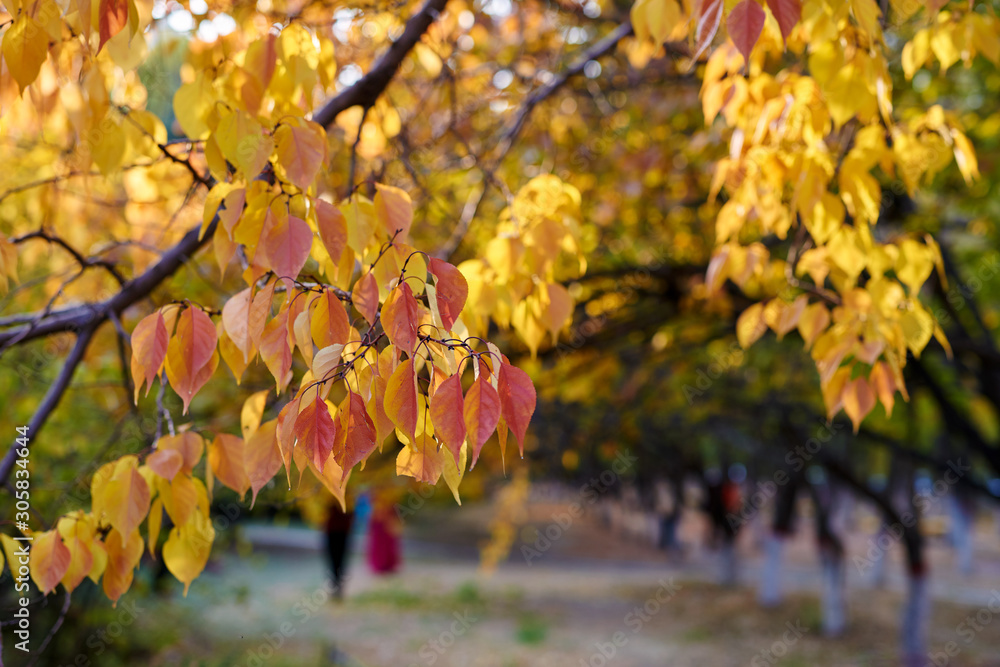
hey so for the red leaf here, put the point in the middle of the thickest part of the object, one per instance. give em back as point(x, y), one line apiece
point(788, 13)
point(481, 412)
point(399, 318)
point(745, 23)
point(447, 410)
point(365, 297)
point(190, 353)
point(260, 309)
point(360, 441)
point(112, 16)
point(401, 399)
point(517, 400)
point(452, 290)
point(332, 229)
point(315, 431)
point(276, 351)
point(709, 18)
point(261, 457)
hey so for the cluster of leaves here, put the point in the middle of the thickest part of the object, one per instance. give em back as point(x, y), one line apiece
point(804, 152)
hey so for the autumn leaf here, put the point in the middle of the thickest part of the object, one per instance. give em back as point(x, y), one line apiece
point(332, 228)
point(360, 433)
point(149, 350)
point(395, 209)
point(190, 354)
point(517, 400)
point(25, 48)
point(401, 399)
point(49, 560)
point(300, 150)
point(315, 431)
point(447, 413)
point(188, 444)
point(400, 318)
point(261, 458)
point(365, 297)
point(165, 462)
point(481, 412)
point(112, 17)
point(226, 456)
point(187, 548)
point(123, 557)
point(745, 23)
point(787, 13)
point(452, 290)
point(709, 18)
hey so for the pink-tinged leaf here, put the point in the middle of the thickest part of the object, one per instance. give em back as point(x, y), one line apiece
point(165, 462)
point(112, 17)
point(315, 431)
point(332, 228)
point(788, 13)
point(401, 399)
point(452, 290)
point(709, 18)
point(260, 310)
point(360, 434)
point(745, 23)
point(188, 444)
point(395, 209)
point(261, 458)
point(329, 323)
point(481, 412)
point(226, 457)
point(365, 297)
point(400, 318)
point(149, 349)
point(447, 414)
point(301, 150)
point(276, 351)
point(286, 245)
point(191, 354)
point(236, 320)
point(517, 401)
point(286, 434)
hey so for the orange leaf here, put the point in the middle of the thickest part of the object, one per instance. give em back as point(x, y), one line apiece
point(329, 322)
point(190, 353)
point(286, 434)
point(401, 399)
point(447, 409)
point(149, 349)
point(276, 351)
point(421, 461)
point(365, 297)
point(517, 400)
point(260, 310)
point(123, 558)
point(301, 150)
point(360, 435)
point(316, 431)
point(112, 17)
point(399, 318)
point(49, 560)
point(395, 209)
point(226, 456)
point(858, 400)
point(332, 228)
point(189, 444)
point(481, 413)
point(165, 462)
point(261, 458)
point(452, 290)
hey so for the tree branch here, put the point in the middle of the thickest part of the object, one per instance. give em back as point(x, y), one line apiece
point(51, 400)
point(367, 90)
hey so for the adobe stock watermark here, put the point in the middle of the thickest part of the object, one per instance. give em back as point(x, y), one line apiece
point(967, 630)
point(779, 648)
point(796, 459)
point(433, 649)
point(706, 378)
point(589, 494)
point(605, 651)
point(99, 641)
point(890, 535)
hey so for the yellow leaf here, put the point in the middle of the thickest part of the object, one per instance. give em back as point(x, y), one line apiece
point(186, 550)
point(243, 142)
point(751, 325)
point(453, 473)
point(25, 48)
point(918, 327)
point(655, 20)
point(49, 560)
point(858, 400)
point(192, 105)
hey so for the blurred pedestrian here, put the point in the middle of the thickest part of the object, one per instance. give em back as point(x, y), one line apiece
point(384, 531)
point(338, 544)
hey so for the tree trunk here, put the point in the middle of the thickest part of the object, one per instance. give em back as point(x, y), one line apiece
point(916, 609)
point(769, 594)
point(834, 591)
point(962, 519)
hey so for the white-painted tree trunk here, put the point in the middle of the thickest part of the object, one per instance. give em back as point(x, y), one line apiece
point(730, 574)
point(882, 556)
point(834, 594)
point(961, 533)
point(916, 611)
point(769, 593)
